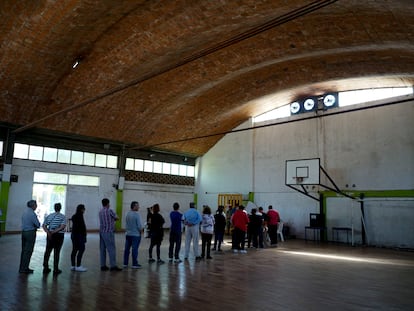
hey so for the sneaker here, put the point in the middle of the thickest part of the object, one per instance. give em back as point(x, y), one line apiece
point(170, 260)
point(115, 268)
point(58, 271)
point(209, 257)
point(151, 260)
point(178, 260)
point(125, 266)
point(235, 251)
point(72, 268)
point(199, 258)
point(243, 251)
point(81, 269)
point(137, 266)
point(160, 261)
point(104, 268)
point(46, 270)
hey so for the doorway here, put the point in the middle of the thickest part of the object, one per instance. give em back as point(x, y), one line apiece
point(46, 195)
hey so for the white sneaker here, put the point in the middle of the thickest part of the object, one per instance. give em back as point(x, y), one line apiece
point(81, 269)
point(243, 251)
point(235, 251)
point(72, 268)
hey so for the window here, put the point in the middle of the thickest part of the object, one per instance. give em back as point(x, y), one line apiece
point(89, 159)
point(63, 156)
point(141, 165)
point(65, 179)
point(39, 153)
point(77, 158)
point(82, 180)
point(21, 151)
point(147, 166)
point(50, 154)
point(35, 153)
point(157, 167)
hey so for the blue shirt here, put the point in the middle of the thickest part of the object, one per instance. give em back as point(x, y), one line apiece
point(29, 220)
point(133, 225)
point(192, 217)
point(176, 219)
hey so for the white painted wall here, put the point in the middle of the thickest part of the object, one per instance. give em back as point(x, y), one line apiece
point(145, 193)
point(148, 194)
point(372, 149)
point(21, 192)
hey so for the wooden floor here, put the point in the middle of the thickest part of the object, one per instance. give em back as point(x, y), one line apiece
point(297, 275)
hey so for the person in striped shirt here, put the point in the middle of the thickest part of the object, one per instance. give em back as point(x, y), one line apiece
point(54, 226)
point(107, 218)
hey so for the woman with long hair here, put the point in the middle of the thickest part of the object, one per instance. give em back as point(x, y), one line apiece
point(78, 237)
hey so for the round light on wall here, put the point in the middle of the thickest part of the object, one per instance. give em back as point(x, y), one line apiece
point(330, 100)
point(295, 107)
point(309, 104)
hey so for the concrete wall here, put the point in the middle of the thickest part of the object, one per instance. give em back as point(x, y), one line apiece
point(370, 149)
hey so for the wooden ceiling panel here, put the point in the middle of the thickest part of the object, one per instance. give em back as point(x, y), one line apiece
point(170, 75)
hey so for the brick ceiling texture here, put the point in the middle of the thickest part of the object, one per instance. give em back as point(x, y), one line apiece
point(168, 75)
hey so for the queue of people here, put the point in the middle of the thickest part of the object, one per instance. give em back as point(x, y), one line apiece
point(254, 227)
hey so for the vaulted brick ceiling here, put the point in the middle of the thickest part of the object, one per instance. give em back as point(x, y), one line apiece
point(155, 74)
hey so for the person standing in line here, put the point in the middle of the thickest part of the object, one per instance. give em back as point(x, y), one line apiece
point(78, 236)
point(54, 226)
point(192, 219)
point(175, 234)
point(207, 230)
point(30, 224)
point(148, 222)
point(107, 218)
point(156, 234)
point(133, 227)
point(240, 221)
point(273, 219)
point(254, 228)
point(263, 232)
point(219, 228)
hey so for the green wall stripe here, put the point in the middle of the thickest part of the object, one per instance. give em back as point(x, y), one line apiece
point(373, 193)
point(4, 201)
point(119, 202)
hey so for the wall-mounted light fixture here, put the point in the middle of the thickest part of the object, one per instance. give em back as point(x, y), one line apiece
point(330, 100)
point(295, 107)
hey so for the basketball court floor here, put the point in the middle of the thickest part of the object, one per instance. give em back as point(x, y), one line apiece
point(297, 275)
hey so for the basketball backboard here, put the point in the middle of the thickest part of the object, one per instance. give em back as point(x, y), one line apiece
point(303, 172)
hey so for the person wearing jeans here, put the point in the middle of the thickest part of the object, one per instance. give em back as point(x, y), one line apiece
point(133, 229)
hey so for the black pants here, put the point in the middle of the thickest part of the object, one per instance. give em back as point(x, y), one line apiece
point(175, 240)
point(54, 243)
point(206, 244)
point(238, 238)
point(273, 234)
point(78, 248)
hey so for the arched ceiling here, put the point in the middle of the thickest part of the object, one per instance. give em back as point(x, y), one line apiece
point(156, 74)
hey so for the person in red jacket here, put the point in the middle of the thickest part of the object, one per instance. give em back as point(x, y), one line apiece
point(239, 221)
point(273, 219)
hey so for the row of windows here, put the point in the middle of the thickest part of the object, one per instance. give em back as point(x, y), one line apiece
point(159, 167)
point(65, 179)
point(38, 153)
